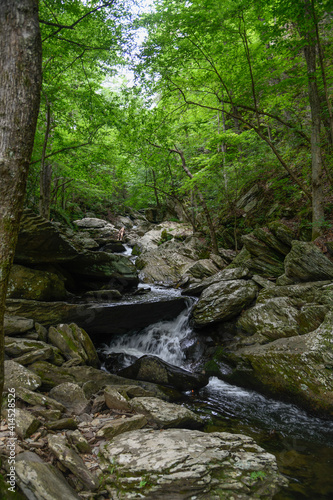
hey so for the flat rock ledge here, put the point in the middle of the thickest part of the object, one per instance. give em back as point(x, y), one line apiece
point(176, 464)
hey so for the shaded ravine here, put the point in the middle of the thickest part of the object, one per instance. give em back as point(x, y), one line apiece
point(302, 444)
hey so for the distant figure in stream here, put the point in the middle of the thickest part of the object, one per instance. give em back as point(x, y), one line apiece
point(121, 234)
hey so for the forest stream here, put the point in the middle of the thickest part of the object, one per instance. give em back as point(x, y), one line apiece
point(302, 444)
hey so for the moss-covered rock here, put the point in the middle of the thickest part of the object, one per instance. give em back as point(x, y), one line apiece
point(74, 343)
point(306, 262)
point(223, 301)
point(300, 368)
point(32, 284)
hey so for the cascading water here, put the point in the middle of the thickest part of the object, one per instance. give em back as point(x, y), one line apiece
point(164, 339)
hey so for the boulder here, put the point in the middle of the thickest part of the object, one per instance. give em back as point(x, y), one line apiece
point(164, 414)
point(223, 301)
point(282, 232)
point(79, 441)
point(225, 275)
point(117, 270)
point(40, 480)
point(92, 223)
point(281, 317)
point(154, 369)
point(202, 269)
point(115, 400)
point(17, 376)
point(16, 325)
point(180, 463)
point(299, 368)
point(32, 284)
point(72, 461)
point(82, 241)
point(121, 425)
point(265, 259)
point(41, 241)
point(170, 261)
point(306, 262)
point(71, 396)
point(74, 343)
point(100, 320)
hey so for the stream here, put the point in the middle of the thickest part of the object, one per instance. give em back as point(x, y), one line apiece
point(302, 444)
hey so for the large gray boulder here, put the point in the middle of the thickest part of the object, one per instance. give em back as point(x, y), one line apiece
point(306, 262)
point(17, 325)
point(223, 301)
point(154, 369)
point(181, 464)
point(300, 368)
point(71, 396)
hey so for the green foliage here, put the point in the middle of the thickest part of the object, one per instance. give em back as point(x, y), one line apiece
point(255, 475)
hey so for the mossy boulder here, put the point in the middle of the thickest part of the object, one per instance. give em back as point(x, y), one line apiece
point(32, 284)
point(223, 301)
point(299, 368)
point(74, 343)
point(306, 262)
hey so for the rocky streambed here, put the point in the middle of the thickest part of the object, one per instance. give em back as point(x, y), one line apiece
point(262, 319)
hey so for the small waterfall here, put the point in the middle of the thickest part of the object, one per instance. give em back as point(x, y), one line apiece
point(163, 339)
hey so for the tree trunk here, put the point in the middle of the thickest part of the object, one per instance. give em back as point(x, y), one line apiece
point(20, 85)
point(314, 99)
point(45, 172)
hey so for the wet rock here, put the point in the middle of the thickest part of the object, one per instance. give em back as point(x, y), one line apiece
point(223, 301)
point(121, 425)
point(299, 368)
point(114, 400)
point(103, 295)
point(40, 480)
point(180, 463)
point(17, 376)
point(32, 284)
point(154, 369)
point(40, 240)
point(164, 414)
point(99, 320)
point(71, 396)
point(306, 262)
point(74, 343)
point(16, 325)
point(72, 461)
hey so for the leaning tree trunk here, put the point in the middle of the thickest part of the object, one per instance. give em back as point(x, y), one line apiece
point(20, 85)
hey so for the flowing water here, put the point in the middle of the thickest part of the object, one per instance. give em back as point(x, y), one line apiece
point(302, 444)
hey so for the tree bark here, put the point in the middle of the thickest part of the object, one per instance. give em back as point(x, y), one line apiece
point(45, 171)
point(314, 99)
point(20, 85)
